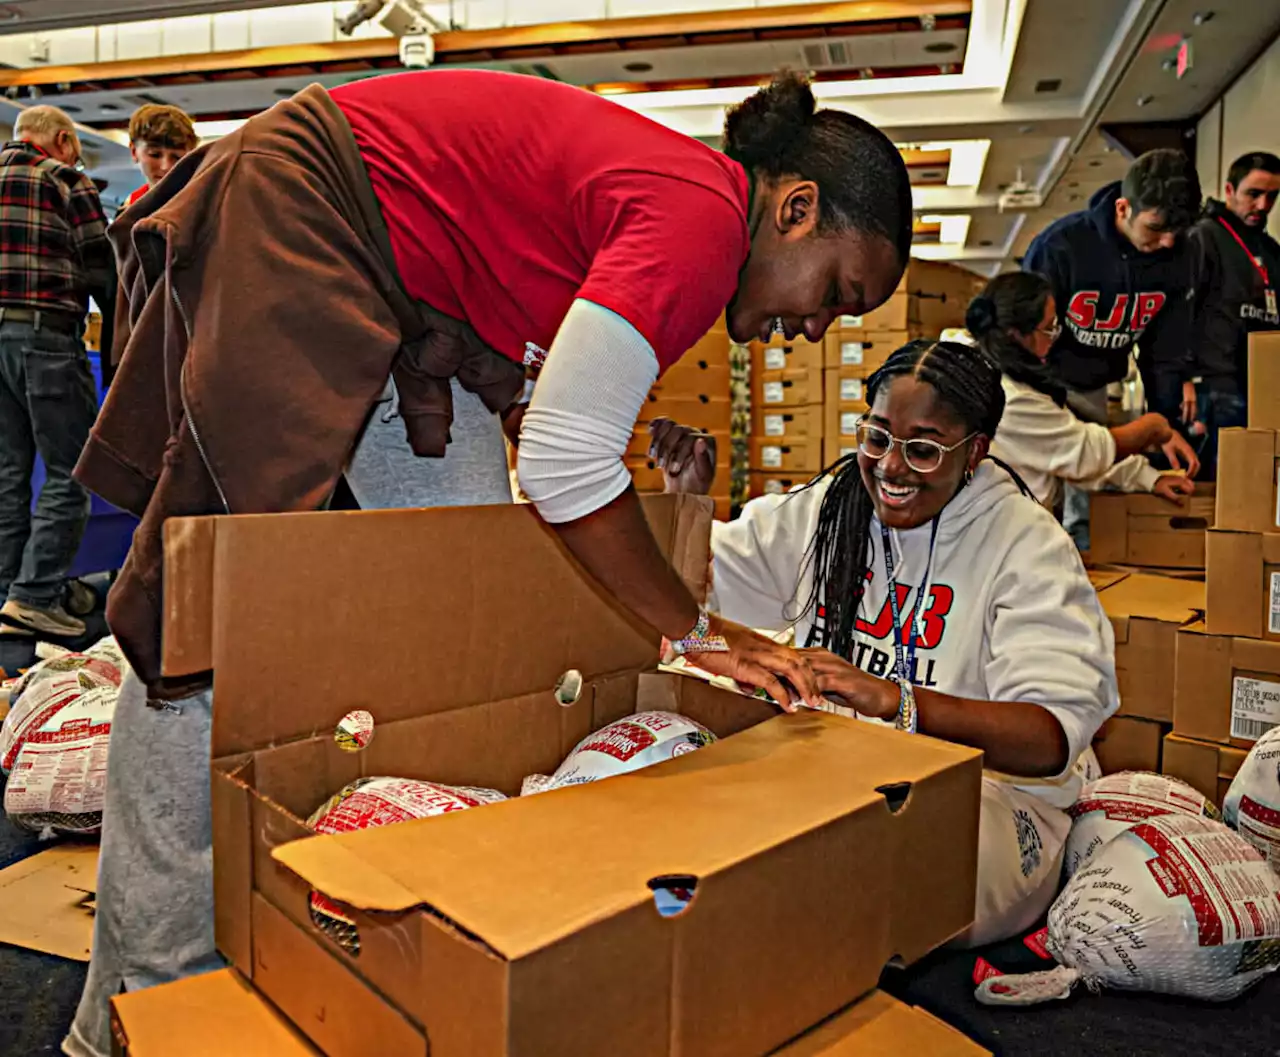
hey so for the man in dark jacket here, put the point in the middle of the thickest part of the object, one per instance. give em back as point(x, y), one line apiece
point(1239, 266)
point(1122, 277)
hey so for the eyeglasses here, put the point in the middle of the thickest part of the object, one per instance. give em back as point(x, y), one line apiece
point(923, 456)
point(1052, 332)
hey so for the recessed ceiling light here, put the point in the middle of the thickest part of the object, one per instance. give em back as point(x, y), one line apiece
point(1144, 100)
point(940, 47)
point(1201, 17)
point(1073, 183)
point(284, 92)
point(108, 108)
point(1024, 129)
point(1049, 84)
point(985, 242)
point(1094, 164)
point(638, 67)
point(69, 108)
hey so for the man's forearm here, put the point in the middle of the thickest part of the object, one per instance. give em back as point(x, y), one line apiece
point(616, 546)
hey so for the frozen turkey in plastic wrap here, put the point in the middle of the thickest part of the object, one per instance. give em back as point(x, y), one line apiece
point(58, 779)
point(1112, 804)
point(102, 667)
point(1252, 805)
point(38, 703)
point(371, 802)
point(636, 741)
point(1174, 904)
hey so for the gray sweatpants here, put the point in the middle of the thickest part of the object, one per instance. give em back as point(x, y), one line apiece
point(155, 874)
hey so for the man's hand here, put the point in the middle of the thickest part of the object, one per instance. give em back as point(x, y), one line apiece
point(1189, 404)
point(1174, 487)
point(755, 661)
point(852, 687)
point(686, 456)
point(1181, 455)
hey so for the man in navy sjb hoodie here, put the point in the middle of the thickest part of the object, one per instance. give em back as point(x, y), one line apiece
point(1122, 278)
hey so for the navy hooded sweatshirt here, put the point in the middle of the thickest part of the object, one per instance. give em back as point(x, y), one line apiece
point(1111, 296)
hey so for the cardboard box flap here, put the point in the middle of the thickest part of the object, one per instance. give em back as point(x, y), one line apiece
point(881, 1026)
point(1162, 598)
point(586, 853)
point(441, 609)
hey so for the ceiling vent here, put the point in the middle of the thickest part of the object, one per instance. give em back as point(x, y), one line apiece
point(1049, 84)
point(833, 55)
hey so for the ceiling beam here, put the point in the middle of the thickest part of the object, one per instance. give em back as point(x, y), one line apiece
point(541, 41)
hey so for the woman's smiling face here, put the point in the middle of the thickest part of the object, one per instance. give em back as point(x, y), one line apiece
point(910, 409)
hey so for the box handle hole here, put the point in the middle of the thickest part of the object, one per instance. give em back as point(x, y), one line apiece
point(1191, 524)
point(354, 731)
point(672, 893)
point(895, 795)
point(569, 688)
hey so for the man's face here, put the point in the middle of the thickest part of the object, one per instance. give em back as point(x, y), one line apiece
point(805, 279)
point(1254, 198)
point(1146, 231)
point(155, 159)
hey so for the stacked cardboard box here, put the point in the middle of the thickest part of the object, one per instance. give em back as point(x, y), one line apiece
point(529, 927)
point(1146, 613)
point(1147, 532)
point(808, 397)
point(693, 392)
point(220, 1013)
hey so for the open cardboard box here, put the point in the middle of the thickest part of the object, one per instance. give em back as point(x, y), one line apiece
point(820, 848)
point(1146, 612)
point(1203, 765)
point(1147, 531)
point(220, 1013)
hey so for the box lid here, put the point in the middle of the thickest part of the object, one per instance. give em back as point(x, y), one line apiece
point(700, 814)
point(430, 618)
point(1165, 598)
point(204, 1016)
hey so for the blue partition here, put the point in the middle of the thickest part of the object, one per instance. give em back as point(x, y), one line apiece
point(110, 530)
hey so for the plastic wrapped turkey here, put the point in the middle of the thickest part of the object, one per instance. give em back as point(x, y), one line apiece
point(1252, 804)
point(639, 740)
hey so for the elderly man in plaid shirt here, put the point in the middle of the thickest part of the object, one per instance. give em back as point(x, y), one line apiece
point(53, 254)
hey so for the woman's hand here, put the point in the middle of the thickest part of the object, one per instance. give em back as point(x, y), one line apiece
point(1189, 402)
point(1174, 487)
point(755, 661)
point(1181, 455)
point(686, 456)
point(850, 686)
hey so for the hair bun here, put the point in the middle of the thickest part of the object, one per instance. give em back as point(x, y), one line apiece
point(980, 317)
point(761, 128)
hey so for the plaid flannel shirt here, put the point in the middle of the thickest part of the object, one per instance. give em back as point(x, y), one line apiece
point(51, 226)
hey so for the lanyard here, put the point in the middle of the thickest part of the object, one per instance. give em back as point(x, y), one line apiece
point(1268, 292)
point(906, 654)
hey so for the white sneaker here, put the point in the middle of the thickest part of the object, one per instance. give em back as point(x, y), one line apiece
point(54, 621)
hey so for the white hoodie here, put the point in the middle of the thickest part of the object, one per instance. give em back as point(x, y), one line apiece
point(1047, 445)
point(1012, 615)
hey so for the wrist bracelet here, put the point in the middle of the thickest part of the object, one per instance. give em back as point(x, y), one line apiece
point(908, 716)
point(700, 639)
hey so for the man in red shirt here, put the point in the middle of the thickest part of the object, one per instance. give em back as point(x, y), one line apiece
point(159, 137)
point(429, 226)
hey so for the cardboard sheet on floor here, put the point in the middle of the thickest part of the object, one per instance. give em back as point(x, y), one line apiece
point(881, 1026)
point(46, 901)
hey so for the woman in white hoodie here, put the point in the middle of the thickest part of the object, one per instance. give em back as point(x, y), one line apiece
point(1009, 651)
point(1015, 322)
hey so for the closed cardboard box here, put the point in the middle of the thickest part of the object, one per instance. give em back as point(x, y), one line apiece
point(1147, 531)
point(702, 410)
point(881, 1026)
point(1227, 689)
point(528, 928)
point(781, 355)
point(775, 482)
point(1248, 461)
point(1204, 766)
point(838, 447)
point(894, 314)
point(786, 456)
point(1126, 743)
point(693, 375)
point(789, 388)
point(787, 423)
point(1146, 612)
point(862, 351)
point(1243, 584)
point(1264, 380)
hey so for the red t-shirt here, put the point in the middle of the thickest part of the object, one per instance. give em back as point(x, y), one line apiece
point(135, 195)
point(507, 197)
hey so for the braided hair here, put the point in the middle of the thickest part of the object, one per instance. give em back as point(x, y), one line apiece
point(969, 383)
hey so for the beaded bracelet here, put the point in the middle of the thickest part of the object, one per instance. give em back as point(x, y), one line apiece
point(699, 640)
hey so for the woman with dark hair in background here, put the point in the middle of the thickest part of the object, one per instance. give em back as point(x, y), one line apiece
point(934, 594)
point(449, 229)
point(1015, 322)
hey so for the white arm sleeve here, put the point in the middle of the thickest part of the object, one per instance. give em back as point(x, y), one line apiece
point(598, 372)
